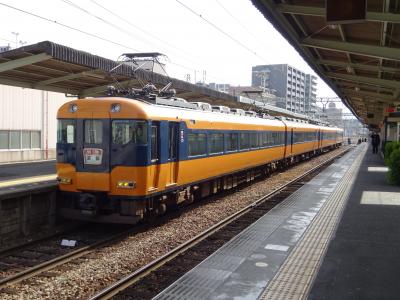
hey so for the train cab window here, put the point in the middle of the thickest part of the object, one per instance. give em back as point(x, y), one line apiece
point(244, 141)
point(232, 142)
point(154, 143)
point(197, 144)
point(93, 131)
point(216, 143)
point(66, 131)
point(129, 131)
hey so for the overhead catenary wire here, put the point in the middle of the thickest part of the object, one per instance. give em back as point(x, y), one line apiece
point(136, 27)
point(237, 20)
point(67, 26)
point(6, 40)
point(140, 29)
point(222, 31)
point(93, 35)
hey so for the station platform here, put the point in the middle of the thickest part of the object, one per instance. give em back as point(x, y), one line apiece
point(293, 251)
point(26, 174)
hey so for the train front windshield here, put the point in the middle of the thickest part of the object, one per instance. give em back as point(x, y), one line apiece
point(66, 131)
point(129, 131)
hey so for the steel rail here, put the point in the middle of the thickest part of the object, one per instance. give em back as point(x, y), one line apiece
point(51, 264)
point(130, 279)
point(68, 229)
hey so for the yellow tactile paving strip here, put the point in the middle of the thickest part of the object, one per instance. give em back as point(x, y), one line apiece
point(294, 279)
point(27, 180)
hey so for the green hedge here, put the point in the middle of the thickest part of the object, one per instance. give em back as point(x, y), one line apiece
point(389, 148)
point(392, 160)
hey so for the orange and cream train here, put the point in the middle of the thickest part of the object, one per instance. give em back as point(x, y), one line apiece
point(120, 160)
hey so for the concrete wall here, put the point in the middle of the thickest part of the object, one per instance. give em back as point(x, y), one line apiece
point(26, 214)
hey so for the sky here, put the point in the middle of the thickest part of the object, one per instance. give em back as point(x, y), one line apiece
point(223, 44)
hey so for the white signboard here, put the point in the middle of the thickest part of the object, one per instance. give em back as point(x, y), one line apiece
point(92, 156)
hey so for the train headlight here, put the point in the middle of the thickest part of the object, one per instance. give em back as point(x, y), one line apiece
point(115, 108)
point(126, 184)
point(73, 108)
point(64, 180)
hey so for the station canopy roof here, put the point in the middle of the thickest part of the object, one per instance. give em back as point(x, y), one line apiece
point(53, 67)
point(359, 61)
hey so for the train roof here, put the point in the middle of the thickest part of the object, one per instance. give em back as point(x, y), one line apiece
point(195, 118)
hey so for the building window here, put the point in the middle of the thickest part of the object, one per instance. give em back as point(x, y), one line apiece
point(19, 139)
point(15, 139)
point(4, 139)
point(26, 139)
point(35, 138)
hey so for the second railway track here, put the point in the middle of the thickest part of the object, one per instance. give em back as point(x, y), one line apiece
point(36, 258)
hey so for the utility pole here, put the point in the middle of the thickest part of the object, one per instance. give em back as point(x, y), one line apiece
point(16, 38)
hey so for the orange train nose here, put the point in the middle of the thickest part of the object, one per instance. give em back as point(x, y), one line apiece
point(93, 181)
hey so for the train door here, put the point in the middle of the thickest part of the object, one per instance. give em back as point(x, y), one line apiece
point(94, 154)
point(319, 139)
point(173, 143)
point(155, 153)
point(291, 141)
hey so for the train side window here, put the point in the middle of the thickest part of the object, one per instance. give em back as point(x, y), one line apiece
point(253, 140)
point(232, 142)
point(264, 141)
point(216, 143)
point(281, 138)
point(197, 144)
point(244, 141)
point(154, 143)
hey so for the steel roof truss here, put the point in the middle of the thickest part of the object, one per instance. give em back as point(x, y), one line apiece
point(320, 12)
point(362, 49)
point(20, 62)
point(367, 80)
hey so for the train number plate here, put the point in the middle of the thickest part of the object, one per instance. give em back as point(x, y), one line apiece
point(92, 156)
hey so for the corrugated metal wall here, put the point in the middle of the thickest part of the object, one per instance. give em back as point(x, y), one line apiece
point(28, 109)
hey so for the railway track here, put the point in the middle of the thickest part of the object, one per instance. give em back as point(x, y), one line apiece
point(148, 281)
point(37, 258)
